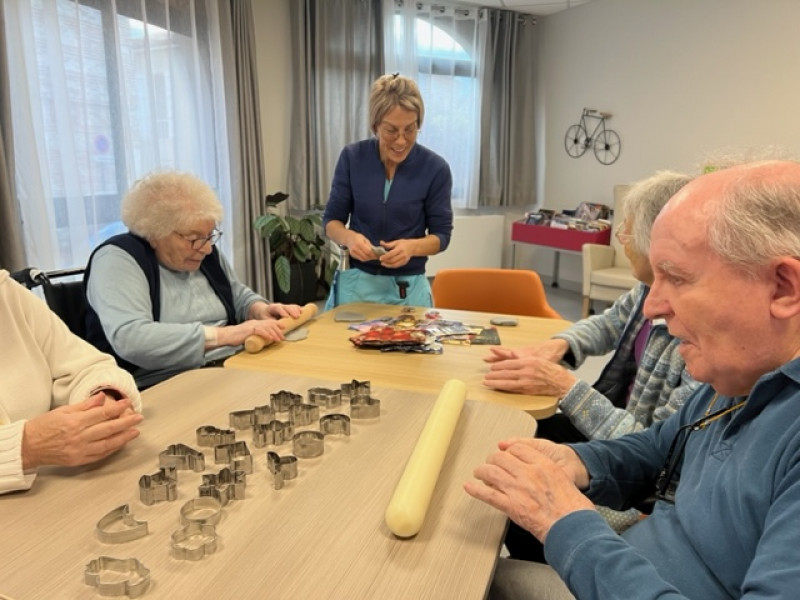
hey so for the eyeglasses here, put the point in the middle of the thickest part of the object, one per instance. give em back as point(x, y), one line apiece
point(622, 237)
point(197, 243)
point(391, 133)
point(667, 483)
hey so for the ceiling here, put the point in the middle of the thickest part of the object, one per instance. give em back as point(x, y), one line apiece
point(539, 8)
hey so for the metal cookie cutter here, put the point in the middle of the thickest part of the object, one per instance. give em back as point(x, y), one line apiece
point(355, 389)
point(365, 407)
point(119, 526)
point(136, 583)
point(202, 511)
point(236, 455)
point(273, 433)
point(225, 486)
point(282, 467)
point(242, 419)
point(194, 541)
point(325, 397)
point(263, 414)
point(159, 486)
point(303, 414)
point(208, 435)
point(182, 457)
point(335, 424)
point(308, 444)
point(281, 401)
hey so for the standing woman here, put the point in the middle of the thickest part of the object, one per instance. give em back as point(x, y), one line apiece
point(395, 194)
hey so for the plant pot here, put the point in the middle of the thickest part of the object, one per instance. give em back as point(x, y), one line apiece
point(302, 285)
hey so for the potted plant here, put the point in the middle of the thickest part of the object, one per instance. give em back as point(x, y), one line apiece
point(302, 264)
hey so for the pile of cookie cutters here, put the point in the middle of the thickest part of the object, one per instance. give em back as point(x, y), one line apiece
point(197, 536)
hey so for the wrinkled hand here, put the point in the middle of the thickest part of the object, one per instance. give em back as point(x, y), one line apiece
point(552, 350)
point(235, 335)
point(276, 310)
point(79, 434)
point(398, 253)
point(534, 482)
point(360, 247)
point(531, 375)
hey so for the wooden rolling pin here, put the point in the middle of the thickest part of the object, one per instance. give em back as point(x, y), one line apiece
point(256, 343)
point(413, 493)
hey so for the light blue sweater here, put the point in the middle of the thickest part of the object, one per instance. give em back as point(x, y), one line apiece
point(733, 530)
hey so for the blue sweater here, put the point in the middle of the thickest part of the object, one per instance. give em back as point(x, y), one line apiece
point(733, 530)
point(418, 202)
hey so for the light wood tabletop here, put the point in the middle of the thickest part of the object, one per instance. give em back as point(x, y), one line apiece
point(322, 536)
point(328, 353)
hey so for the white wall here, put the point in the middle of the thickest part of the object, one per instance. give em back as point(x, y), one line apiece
point(682, 78)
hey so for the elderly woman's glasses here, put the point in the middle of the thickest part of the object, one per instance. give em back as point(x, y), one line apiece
point(197, 243)
point(391, 133)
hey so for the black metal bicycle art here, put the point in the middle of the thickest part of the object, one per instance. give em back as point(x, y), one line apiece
point(605, 142)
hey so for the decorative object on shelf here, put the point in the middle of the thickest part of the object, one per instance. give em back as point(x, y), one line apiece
point(605, 142)
point(301, 260)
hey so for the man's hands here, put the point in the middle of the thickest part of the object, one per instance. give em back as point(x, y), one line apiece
point(79, 434)
point(535, 482)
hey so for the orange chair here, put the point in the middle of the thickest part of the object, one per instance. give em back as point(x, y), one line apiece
point(505, 291)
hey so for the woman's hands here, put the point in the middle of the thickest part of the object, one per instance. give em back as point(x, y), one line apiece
point(79, 434)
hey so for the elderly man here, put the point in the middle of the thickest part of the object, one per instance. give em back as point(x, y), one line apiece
point(727, 280)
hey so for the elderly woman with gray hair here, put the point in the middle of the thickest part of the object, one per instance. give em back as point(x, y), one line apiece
point(161, 298)
point(644, 381)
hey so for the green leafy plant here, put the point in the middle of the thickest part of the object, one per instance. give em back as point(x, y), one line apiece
point(295, 240)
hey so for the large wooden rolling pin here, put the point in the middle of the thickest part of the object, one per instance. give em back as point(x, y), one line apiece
point(409, 503)
point(256, 343)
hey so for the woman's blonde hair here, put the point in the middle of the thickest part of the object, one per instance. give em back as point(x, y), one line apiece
point(163, 202)
point(389, 91)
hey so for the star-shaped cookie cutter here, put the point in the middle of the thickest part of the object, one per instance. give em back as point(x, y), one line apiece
point(134, 586)
point(119, 526)
point(355, 389)
point(194, 541)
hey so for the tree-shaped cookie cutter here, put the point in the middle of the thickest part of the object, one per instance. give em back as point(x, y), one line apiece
point(237, 456)
point(273, 433)
point(225, 486)
point(158, 487)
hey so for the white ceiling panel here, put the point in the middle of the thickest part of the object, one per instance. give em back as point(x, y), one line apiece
point(539, 8)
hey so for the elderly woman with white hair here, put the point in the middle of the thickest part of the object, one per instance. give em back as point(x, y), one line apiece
point(161, 298)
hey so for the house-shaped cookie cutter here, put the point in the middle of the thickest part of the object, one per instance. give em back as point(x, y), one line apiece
point(273, 433)
point(194, 541)
point(133, 586)
point(183, 458)
point(282, 468)
point(237, 456)
point(119, 526)
point(158, 487)
point(224, 486)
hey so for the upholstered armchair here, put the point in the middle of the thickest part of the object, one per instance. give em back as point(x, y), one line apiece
point(606, 270)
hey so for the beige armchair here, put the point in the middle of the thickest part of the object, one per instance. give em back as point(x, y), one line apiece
point(606, 270)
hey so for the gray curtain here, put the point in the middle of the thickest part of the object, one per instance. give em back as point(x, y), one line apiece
point(337, 50)
point(508, 151)
point(12, 252)
point(247, 158)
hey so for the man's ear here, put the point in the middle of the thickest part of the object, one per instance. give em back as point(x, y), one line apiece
point(786, 297)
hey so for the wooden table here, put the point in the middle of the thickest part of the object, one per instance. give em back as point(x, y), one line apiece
point(328, 353)
point(321, 536)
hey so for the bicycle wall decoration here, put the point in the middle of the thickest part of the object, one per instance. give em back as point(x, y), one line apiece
point(604, 142)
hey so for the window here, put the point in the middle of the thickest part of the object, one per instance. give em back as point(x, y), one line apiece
point(109, 92)
point(444, 62)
